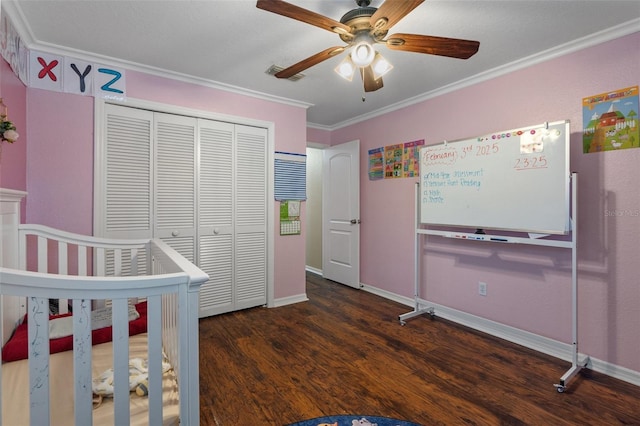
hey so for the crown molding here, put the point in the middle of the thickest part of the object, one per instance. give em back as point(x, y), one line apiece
point(19, 22)
point(595, 39)
point(26, 35)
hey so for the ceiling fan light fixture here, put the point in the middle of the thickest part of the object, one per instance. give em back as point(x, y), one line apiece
point(346, 69)
point(363, 52)
point(380, 66)
point(360, 29)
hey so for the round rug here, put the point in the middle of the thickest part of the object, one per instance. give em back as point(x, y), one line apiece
point(354, 421)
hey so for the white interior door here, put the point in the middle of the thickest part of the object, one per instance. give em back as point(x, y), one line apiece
point(341, 213)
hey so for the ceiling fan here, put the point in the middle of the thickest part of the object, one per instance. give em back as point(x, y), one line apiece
point(363, 27)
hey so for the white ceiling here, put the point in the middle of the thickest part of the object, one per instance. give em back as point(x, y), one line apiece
point(232, 43)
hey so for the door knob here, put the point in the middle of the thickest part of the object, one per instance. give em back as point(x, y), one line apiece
point(175, 233)
point(354, 221)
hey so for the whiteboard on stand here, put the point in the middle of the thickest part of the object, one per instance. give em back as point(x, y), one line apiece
point(515, 180)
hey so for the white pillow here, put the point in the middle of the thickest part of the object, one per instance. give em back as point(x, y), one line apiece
point(100, 318)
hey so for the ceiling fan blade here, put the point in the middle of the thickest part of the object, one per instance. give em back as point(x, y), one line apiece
point(432, 45)
point(309, 62)
point(298, 13)
point(391, 12)
point(370, 83)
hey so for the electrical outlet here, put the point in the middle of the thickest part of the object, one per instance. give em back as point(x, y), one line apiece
point(482, 288)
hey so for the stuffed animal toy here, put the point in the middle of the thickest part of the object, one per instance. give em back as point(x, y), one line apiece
point(138, 378)
point(143, 388)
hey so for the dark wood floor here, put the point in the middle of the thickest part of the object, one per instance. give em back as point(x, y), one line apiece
point(344, 352)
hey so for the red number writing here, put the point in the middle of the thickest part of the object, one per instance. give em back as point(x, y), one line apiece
point(530, 163)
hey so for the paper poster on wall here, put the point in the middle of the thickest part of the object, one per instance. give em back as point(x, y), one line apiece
point(376, 164)
point(49, 71)
point(64, 74)
point(45, 71)
point(393, 161)
point(411, 158)
point(13, 49)
point(78, 76)
point(611, 121)
point(290, 217)
point(109, 82)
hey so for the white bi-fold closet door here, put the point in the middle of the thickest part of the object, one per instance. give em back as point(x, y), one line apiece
point(198, 184)
point(232, 226)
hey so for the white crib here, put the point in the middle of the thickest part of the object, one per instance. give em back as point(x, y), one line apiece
point(84, 273)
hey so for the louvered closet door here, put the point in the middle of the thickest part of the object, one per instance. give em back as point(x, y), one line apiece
point(201, 186)
point(175, 182)
point(125, 176)
point(251, 222)
point(232, 213)
point(127, 173)
point(216, 214)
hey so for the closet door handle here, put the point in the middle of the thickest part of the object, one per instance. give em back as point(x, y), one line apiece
point(175, 233)
point(216, 231)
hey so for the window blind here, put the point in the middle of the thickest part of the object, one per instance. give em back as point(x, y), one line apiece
point(290, 176)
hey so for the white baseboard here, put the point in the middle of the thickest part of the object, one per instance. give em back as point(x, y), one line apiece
point(313, 270)
point(524, 338)
point(290, 300)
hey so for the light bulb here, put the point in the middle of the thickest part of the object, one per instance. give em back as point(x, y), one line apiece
point(346, 69)
point(363, 53)
point(380, 66)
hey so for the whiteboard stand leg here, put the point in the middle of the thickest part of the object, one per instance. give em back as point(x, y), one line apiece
point(576, 364)
point(571, 373)
point(416, 312)
point(417, 309)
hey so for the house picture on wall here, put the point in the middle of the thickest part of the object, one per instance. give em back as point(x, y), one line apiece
point(611, 121)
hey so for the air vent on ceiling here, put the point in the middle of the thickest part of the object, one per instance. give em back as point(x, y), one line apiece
point(274, 69)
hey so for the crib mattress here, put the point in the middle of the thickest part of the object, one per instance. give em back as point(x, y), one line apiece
point(15, 389)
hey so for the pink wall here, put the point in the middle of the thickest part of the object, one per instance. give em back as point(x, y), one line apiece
point(60, 155)
point(60, 160)
point(13, 170)
point(319, 136)
point(528, 287)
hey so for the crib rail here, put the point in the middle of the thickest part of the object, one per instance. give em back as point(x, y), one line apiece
point(46, 239)
point(186, 354)
point(49, 250)
point(155, 271)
